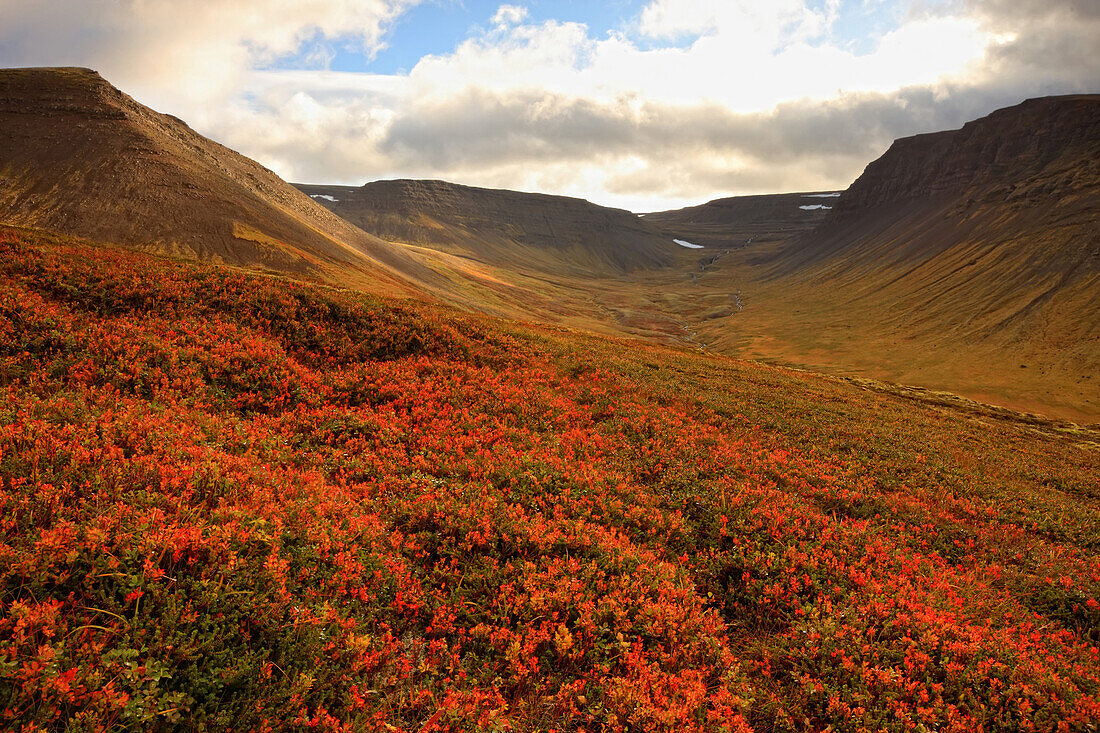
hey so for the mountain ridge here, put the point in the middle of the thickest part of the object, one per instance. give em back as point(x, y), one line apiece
point(1019, 140)
point(491, 223)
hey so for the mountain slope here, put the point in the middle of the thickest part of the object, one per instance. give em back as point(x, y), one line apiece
point(1034, 166)
point(81, 157)
point(966, 260)
point(505, 228)
point(231, 502)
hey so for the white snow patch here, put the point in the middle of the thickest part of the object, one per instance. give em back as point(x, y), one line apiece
point(815, 206)
point(324, 196)
point(689, 245)
point(820, 195)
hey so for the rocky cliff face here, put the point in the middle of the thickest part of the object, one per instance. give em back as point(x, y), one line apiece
point(1018, 155)
point(81, 157)
point(498, 225)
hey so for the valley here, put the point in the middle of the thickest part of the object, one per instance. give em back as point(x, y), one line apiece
point(421, 457)
point(968, 272)
point(931, 276)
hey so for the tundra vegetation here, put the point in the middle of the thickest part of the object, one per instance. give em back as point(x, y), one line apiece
point(248, 502)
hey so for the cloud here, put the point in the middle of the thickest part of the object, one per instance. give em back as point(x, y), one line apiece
point(509, 15)
point(692, 100)
point(181, 55)
point(639, 155)
point(1045, 45)
point(761, 26)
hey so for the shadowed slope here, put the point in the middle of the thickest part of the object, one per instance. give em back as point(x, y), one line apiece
point(966, 260)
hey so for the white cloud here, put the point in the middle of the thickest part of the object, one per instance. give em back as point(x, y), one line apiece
point(747, 56)
point(758, 25)
point(181, 55)
point(509, 15)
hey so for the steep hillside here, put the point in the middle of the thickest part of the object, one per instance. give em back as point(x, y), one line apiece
point(1032, 169)
point(966, 260)
point(81, 157)
point(231, 502)
point(507, 228)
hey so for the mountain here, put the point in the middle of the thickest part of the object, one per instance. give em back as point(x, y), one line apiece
point(80, 157)
point(83, 158)
point(1035, 166)
point(966, 260)
point(527, 231)
point(742, 220)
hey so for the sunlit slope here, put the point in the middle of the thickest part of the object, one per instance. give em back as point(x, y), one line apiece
point(81, 157)
point(966, 260)
point(232, 502)
point(515, 230)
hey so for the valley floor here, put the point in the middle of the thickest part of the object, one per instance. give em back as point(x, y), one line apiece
point(720, 300)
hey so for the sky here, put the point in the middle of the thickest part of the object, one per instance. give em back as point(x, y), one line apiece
point(641, 104)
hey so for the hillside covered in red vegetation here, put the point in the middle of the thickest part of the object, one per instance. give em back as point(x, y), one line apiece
point(232, 501)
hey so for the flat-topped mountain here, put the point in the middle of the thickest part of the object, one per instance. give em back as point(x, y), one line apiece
point(1027, 171)
point(1003, 209)
point(737, 220)
point(506, 228)
point(1018, 155)
point(83, 158)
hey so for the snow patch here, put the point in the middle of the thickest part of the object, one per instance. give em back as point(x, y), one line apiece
point(689, 245)
point(813, 207)
point(324, 196)
point(820, 195)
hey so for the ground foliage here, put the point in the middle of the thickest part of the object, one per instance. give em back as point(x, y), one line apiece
point(239, 502)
